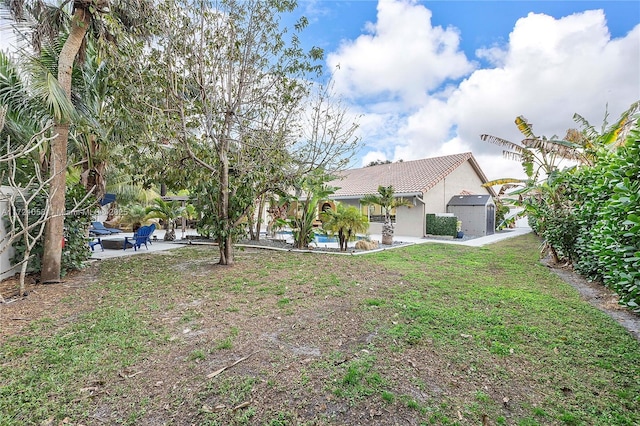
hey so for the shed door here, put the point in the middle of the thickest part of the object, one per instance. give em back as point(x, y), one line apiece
point(491, 219)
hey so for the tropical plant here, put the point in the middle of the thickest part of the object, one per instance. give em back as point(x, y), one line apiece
point(550, 196)
point(74, 19)
point(606, 200)
point(540, 193)
point(135, 216)
point(345, 222)
point(168, 212)
point(608, 138)
point(386, 199)
point(310, 191)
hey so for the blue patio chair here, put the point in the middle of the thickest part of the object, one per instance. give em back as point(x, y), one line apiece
point(93, 243)
point(97, 226)
point(143, 236)
point(153, 229)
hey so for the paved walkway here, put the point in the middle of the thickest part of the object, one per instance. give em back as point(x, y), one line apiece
point(160, 245)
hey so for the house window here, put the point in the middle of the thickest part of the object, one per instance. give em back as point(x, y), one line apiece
point(376, 214)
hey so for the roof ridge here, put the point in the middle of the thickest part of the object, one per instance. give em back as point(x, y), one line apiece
point(467, 154)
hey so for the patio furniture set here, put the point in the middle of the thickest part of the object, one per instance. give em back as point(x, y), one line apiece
point(100, 236)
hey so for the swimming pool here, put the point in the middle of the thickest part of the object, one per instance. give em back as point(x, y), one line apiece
point(319, 238)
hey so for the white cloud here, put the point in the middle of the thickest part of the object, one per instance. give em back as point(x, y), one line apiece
point(401, 56)
point(549, 70)
point(372, 156)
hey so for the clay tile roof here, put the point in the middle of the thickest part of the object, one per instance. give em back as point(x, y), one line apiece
point(405, 177)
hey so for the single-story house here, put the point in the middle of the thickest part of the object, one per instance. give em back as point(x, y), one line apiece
point(428, 184)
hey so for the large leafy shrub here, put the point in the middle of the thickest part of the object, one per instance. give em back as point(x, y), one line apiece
point(607, 199)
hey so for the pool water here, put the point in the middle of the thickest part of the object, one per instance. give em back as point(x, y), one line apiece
point(318, 238)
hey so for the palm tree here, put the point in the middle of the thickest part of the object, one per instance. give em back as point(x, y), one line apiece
point(345, 222)
point(310, 190)
point(386, 199)
point(135, 216)
point(51, 22)
point(168, 211)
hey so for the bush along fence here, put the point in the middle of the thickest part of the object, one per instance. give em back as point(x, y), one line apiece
point(591, 218)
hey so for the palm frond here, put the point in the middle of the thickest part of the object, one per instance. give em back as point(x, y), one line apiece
point(56, 99)
point(524, 127)
point(565, 149)
point(501, 142)
point(510, 155)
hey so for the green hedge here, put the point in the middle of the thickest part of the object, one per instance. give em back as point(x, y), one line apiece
point(442, 225)
point(590, 216)
point(607, 200)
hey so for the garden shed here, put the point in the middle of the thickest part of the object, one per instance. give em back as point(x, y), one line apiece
point(476, 212)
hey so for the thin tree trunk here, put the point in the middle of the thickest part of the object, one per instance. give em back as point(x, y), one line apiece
point(226, 252)
point(23, 274)
point(251, 223)
point(259, 218)
point(94, 170)
point(54, 233)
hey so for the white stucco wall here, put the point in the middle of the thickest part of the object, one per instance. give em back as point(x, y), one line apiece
point(464, 178)
point(410, 221)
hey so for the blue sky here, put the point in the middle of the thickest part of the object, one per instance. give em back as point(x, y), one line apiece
point(428, 77)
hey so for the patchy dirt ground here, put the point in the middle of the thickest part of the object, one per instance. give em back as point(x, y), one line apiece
point(270, 357)
point(43, 300)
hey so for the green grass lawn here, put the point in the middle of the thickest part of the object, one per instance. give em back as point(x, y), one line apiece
point(429, 334)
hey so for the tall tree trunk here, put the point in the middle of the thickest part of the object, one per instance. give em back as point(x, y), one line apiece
point(54, 233)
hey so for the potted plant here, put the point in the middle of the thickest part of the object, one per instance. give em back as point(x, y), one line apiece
point(168, 212)
point(134, 217)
